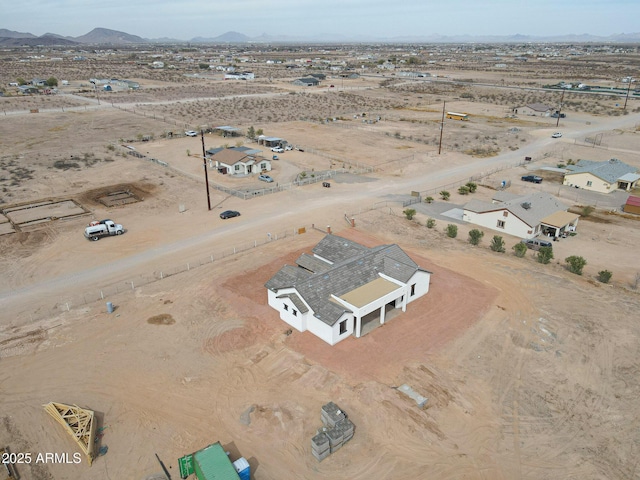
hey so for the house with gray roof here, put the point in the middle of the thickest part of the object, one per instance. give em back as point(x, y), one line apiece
point(603, 177)
point(238, 160)
point(525, 216)
point(307, 82)
point(342, 286)
point(534, 109)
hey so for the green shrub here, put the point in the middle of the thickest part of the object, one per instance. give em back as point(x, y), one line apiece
point(475, 236)
point(497, 244)
point(520, 249)
point(452, 231)
point(472, 187)
point(445, 195)
point(463, 190)
point(545, 255)
point(428, 200)
point(575, 264)
point(604, 276)
point(409, 213)
point(588, 210)
point(431, 222)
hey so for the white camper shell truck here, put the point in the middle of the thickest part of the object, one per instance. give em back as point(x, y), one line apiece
point(103, 228)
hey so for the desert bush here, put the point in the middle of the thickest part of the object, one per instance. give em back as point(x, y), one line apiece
point(452, 231)
point(520, 249)
point(409, 213)
point(463, 190)
point(588, 210)
point(472, 186)
point(428, 200)
point(475, 236)
point(544, 255)
point(575, 264)
point(604, 276)
point(497, 244)
point(445, 195)
point(431, 222)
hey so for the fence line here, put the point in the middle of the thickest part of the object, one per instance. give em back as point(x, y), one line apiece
point(112, 290)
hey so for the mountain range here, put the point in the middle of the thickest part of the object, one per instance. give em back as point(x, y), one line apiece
point(105, 36)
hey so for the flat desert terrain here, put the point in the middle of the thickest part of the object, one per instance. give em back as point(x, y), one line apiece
point(531, 372)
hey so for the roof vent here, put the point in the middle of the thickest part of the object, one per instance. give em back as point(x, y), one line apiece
point(526, 205)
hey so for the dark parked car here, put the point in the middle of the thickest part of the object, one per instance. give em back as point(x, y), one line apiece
point(229, 214)
point(532, 179)
point(535, 244)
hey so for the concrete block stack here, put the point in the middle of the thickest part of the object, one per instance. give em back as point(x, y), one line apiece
point(320, 446)
point(337, 430)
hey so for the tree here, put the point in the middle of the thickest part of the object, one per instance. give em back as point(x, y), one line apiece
point(259, 132)
point(409, 213)
point(445, 195)
point(545, 255)
point(52, 82)
point(475, 236)
point(431, 222)
point(575, 264)
point(463, 190)
point(472, 187)
point(497, 244)
point(203, 66)
point(21, 81)
point(520, 249)
point(251, 133)
point(428, 200)
point(452, 231)
point(604, 276)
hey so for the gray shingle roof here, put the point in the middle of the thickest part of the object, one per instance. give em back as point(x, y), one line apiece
point(609, 170)
point(335, 248)
point(355, 266)
point(313, 264)
point(540, 206)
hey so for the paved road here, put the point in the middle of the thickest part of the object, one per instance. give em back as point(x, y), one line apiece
point(293, 213)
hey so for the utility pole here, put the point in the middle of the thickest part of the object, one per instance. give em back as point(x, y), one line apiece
point(628, 90)
point(560, 109)
point(206, 174)
point(441, 127)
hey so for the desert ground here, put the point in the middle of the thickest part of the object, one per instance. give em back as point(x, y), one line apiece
point(530, 371)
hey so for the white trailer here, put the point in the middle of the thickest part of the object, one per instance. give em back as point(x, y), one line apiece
point(102, 228)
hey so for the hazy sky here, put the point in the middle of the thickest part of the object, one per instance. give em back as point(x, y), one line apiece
point(185, 19)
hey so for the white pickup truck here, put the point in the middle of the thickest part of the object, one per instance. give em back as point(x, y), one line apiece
point(102, 228)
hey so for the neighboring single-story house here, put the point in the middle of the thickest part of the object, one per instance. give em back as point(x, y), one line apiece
point(603, 177)
point(632, 205)
point(27, 89)
point(525, 216)
point(238, 160)
point(344, 286)
point(534, 109)
point(307, 82)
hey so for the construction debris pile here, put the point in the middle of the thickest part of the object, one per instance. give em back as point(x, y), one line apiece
point(337, 431)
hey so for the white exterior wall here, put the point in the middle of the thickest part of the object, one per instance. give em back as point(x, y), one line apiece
point(326, 332)
point(581, 180)
point(422, 281)
point(298, 321)
point(512, 224)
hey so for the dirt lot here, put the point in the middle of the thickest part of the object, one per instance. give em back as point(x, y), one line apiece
point(530, 371)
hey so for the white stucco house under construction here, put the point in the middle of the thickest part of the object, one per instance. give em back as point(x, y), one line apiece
point(344, 285)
